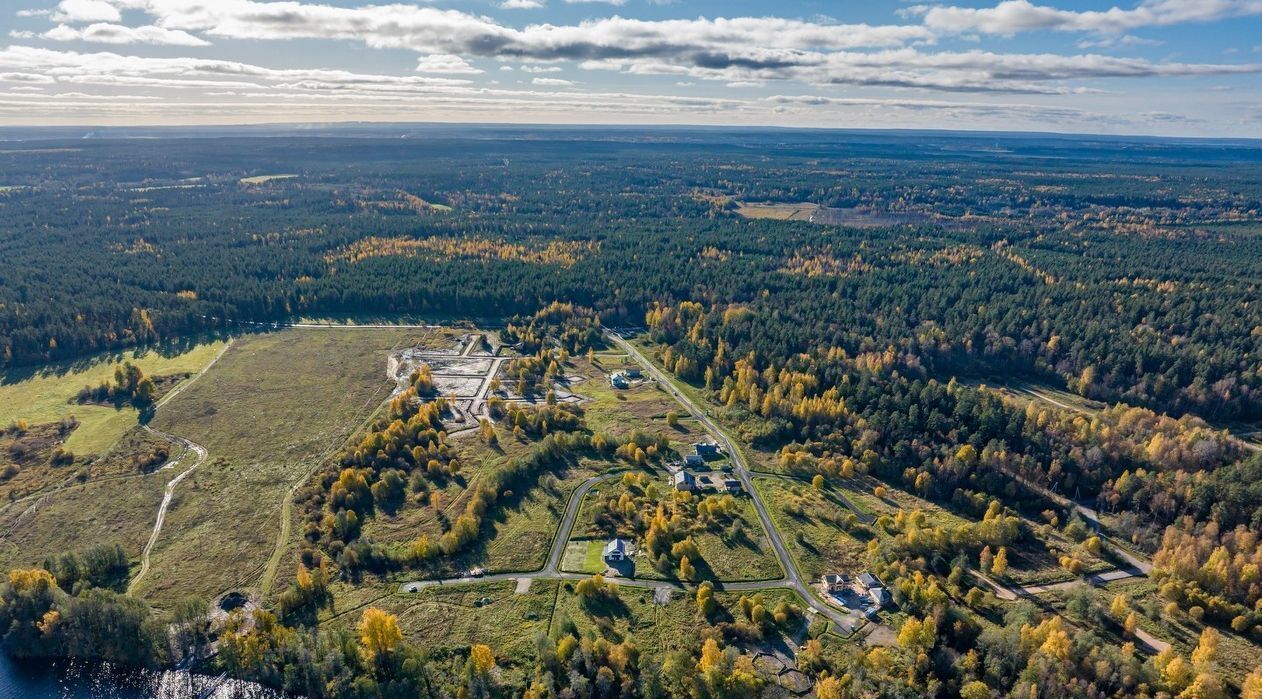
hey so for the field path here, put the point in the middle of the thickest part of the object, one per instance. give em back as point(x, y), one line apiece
point(167, 495)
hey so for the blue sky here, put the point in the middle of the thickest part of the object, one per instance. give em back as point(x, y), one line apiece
point(1166, 67)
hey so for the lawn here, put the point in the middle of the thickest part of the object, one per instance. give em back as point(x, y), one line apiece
point(584, 556)
point(272, 408)
point(815, 537)
point(47, 394)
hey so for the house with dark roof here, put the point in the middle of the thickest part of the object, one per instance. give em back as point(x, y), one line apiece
point(706, 450)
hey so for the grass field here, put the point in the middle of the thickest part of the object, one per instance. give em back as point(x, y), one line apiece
point(268, 412)
point(46, 394)
point(815, 538)
point(642, 407)
point(584, 556)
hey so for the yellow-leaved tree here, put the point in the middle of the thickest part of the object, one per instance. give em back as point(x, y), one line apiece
point(379, 634)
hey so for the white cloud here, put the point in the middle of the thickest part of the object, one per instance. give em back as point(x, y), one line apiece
point(521, 4)
point(1012, 16)
point(104, 33)
point(445, 63)
point(553, 82)
point(86, 11)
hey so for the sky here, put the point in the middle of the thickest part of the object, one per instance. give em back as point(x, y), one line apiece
point(1155, 67)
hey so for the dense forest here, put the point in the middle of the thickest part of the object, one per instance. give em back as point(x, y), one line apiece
point(1123, 271)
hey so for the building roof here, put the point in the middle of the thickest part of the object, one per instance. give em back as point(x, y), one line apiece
point(869, 580)
point(618, 546)
point(685, 477)
point(693, 459)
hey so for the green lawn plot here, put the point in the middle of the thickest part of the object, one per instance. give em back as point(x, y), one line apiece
point(110, 500)
point(655, 628)
point(47, 394)
point(812, 524)
point(584, 556)
point(736, 550)
point(272, 408)
point(451, 618)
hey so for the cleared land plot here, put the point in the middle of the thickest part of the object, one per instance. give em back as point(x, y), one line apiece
point(470, 367)
point(47, 394)
point(442, 619)
point(466, 386)
point(268, 412)
point(777, 212)
point(811, 523)
point(642, 407)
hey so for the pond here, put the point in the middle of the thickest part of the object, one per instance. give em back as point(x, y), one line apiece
point(80, 679)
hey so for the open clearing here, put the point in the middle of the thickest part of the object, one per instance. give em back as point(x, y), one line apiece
point(777, 212)
point(268, 412)
point(814, 535)
point(47, 394)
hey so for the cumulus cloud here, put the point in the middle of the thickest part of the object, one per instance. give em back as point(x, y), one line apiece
point(521, 4)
